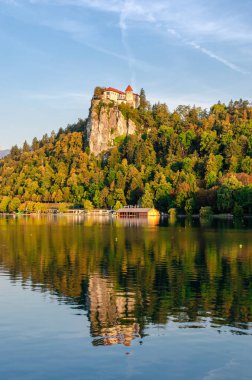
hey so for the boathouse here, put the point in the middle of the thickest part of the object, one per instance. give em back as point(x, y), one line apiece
point(136, 212)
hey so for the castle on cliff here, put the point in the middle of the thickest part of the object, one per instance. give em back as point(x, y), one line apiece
point(106, 121)
point(119, 97)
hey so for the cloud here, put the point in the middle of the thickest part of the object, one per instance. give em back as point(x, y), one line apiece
point(108, 6)
point(183, 18)
point(188, 16)
point(195, 24)
point(228, 370)
point(210, 54)
point(123, 27)
point(132, 61)
point(207, 52)
point(89, 36)
point(191, 17)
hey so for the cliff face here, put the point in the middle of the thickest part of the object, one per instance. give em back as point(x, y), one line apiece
point(105, 124)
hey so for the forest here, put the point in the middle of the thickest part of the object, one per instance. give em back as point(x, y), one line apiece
point(185, 160)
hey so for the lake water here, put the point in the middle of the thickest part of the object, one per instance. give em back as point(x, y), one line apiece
point(103, 299)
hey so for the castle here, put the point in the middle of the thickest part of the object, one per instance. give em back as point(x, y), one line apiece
point(119, 97)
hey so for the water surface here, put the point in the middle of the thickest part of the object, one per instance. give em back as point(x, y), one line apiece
point(109, 299)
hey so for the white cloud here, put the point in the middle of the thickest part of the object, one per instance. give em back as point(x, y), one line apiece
point(89, 36)
point(210, 54)
point(123, 26)
point(185, 19)
point(189, 16)
point(228, 370)
point(194, 23)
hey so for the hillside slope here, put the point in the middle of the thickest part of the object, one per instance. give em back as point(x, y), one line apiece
point(185, 159)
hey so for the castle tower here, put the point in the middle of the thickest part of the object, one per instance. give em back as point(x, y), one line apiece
point(129, 95)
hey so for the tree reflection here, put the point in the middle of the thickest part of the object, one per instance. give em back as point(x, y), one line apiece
point(129, 276)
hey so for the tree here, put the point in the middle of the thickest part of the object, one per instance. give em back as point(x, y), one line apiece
point(160, 114)
point(211, 179)
point(98, 91)
point(187, 140)
point(87, 204)
point(15, 152)
point(26, 147)
point(4, 204)
point(119, 196)
point(208, 143)
point(62, 207)
point(118, 205)
point(225, 199)
point(35, 144)
point(189, 206)
point(147, 198)
point(182, 111)
point(14, 205)
point(143, 101)
point(206, 212)
point(30, 206)
point(97, 199)
point(246, 165)
point(238, 211)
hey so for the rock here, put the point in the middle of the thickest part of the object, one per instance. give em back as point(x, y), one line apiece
point(105, 124)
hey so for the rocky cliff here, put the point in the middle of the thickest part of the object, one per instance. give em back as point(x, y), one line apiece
point(105, 124)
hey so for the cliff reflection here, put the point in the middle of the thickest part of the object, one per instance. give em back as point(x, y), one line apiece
point(127, 276)
point(111, 315)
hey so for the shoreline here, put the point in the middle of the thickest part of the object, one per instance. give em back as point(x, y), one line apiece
point(107, 213)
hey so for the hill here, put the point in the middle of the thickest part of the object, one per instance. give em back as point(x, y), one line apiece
point(185, 159)
point(4, 153)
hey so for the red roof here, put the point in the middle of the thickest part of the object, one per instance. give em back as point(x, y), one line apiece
point(129, 88)
point(114, 90)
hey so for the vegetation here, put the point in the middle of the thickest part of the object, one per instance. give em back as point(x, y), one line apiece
point(87, 205)
point(206, 212)
point(186, 159)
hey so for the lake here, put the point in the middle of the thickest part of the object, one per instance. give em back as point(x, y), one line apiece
point(87, 298)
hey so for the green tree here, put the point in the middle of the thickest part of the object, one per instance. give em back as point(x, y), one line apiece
point(246, 165)
point(147, 198)
point(225, 199)
point(143, 101)
point(208, 143)
point(189, 206)
point(211, 179)
point(4, 204)
point(14, 205)
point(87, 204)
point(26, 147)
point(118, 205)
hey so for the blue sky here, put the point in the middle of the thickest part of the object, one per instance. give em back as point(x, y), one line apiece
point(54, 52)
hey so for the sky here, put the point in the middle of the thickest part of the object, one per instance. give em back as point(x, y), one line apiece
point(53, 53)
